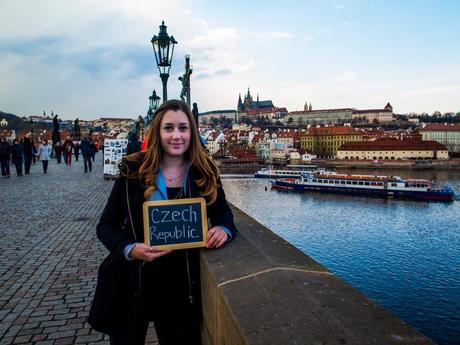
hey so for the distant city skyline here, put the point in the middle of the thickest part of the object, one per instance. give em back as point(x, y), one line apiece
point(94, 59)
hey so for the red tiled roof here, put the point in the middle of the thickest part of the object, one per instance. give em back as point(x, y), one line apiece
point(393, 145)
point(114, 119)
point(333, 130)
point(440, 127)
point(371, 111)
point(320, 111)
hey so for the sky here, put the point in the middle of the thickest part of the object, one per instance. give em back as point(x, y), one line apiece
point(91, 59)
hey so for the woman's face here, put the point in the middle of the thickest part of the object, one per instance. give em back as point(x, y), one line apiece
point(175, 133)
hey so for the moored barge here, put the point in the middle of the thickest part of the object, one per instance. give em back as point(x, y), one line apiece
point(372, 185)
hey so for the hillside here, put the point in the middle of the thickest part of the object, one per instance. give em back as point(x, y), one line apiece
point(14, 121)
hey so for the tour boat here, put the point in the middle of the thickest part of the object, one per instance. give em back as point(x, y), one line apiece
point(372, 185)
point(291, 171)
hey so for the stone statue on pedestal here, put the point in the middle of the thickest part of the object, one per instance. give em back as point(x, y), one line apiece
point(185, 79)
point(76, 131)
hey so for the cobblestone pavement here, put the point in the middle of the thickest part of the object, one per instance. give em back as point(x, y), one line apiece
point(50, 254)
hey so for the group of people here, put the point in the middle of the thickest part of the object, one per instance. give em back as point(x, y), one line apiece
point(24, 153)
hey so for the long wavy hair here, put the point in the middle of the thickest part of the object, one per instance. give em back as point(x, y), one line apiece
point(152, 157)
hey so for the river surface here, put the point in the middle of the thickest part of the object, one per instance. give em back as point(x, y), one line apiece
point(403, 254)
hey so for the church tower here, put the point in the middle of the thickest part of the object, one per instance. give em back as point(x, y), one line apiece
point(248, 100)
point(240, 103)
point(389, 107)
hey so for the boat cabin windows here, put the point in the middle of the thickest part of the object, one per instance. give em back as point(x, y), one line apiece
point(367, 183)
point(394, 184)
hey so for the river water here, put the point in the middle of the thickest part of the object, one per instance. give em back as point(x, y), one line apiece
point(403, 254)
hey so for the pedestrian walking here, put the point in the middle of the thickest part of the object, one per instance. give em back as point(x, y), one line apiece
point(68, 148)
point(44, 154)
point(58, 151)
point(26, 144)
point(17, 154)
point(142, 283)
point(93, 150)
point(86, 152)
point(76, 150)
point(5, 153)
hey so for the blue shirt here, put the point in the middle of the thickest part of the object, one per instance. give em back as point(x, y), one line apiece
point(162, 194)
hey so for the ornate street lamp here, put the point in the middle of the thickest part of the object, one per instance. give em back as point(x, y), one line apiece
point(163, 47)
point(154, 102)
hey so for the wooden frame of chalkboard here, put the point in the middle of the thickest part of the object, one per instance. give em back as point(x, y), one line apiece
point(175, 224)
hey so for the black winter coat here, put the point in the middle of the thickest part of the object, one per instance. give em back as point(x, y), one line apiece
point(119, 289)
point(27, 146)
point(5, 151)
point(17, 153)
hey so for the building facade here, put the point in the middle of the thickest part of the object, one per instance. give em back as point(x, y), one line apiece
point(384, 115)
point(320, 117)
point(325, 141)
point(393, 149)
point(446, 134)
point(206, 117)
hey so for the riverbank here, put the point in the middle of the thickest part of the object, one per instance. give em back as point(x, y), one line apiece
point(450, 164)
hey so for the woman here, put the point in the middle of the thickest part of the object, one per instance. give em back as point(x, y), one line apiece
point(138, 283)
point(44, 154)
point(16, 155)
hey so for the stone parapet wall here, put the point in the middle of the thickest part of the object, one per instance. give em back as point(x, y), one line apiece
point(262, 290)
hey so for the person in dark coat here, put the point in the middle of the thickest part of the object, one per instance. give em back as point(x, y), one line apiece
point(28, 152)
point(134, 145)
point(17, 154)
point(86, 152)
point(58, 152)
point(67, 150)
point(76, 150)
point(5, 153)
point(93, 150)
point(138, 283)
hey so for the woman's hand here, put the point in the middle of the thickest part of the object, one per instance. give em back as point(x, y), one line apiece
point(216, 237)
point(144, 252)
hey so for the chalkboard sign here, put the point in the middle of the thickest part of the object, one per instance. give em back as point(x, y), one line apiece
point(175, 224)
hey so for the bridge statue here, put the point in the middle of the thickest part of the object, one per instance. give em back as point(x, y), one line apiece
point(56, 135)
point(76, 131)
point(185, 79)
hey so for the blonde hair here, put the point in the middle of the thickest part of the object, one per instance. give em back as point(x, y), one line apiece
point(151, 158)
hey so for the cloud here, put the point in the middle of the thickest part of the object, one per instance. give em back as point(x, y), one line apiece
point(345, 77)
point(267, 36)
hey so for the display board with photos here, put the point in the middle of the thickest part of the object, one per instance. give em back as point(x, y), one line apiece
point(114, 150)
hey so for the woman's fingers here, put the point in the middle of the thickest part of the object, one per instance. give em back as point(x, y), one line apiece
point(146, 253)
point(216, 237)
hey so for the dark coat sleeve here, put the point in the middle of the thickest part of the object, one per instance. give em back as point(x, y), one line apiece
point(113, 229)
point(220, 213)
